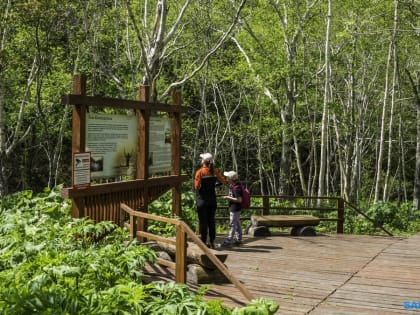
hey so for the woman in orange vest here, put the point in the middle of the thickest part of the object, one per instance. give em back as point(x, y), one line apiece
point(205, 181)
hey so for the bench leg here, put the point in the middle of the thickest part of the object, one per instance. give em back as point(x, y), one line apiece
point(258, 231)
point(303, 231)
point(294, 231)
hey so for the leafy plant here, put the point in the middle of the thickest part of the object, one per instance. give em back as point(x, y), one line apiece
point(53, 264)
point(258, 307)
point(383, 213)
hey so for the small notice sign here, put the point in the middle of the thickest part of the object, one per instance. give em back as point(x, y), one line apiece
point(81, 170)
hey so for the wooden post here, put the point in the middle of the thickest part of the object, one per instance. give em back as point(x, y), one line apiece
point(222, 267)
point(181, 255)
point(143, 135)
point(78, 137)
point(133, 226)
point(176, 154)
point(340, 215)
point(266, 205)
point(143, 153)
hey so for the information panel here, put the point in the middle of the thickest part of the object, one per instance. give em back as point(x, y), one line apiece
point(112, 141)
point(159, 145)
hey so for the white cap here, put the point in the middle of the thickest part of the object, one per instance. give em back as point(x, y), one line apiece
point(206, 157)
point(231, 174)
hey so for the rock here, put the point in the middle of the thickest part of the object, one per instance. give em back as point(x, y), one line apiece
point(199, 275)
point(194, 255)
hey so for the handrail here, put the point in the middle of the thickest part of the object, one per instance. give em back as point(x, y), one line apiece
point(182, 232)
point(266, 207)
point(339, 207)
point(366, 217)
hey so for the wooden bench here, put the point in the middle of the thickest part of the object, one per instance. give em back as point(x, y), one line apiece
point(302, 225)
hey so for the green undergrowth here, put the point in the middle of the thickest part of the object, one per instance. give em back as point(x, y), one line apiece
point(53, 264)
point(399, 219)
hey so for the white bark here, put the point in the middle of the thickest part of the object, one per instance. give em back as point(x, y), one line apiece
point(390, 133)
point(225, 36)
point(324, 123)
point(155, 45)
point(384, 109)
point(416, 92)
point(3, 34)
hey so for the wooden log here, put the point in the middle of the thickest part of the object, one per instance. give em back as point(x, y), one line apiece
point(164, 255)
point(199, 275)
point(194, 255)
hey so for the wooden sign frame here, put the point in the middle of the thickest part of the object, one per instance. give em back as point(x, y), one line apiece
point(102, 201)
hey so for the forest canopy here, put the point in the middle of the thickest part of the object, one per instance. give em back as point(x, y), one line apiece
point(303, 97)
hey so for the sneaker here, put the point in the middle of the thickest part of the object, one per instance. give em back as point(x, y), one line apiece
point(225, 243)
point(211, 245)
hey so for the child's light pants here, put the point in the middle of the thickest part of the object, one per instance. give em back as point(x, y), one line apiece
point(235, 225)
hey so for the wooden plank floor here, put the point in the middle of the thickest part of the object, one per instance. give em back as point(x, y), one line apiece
point(326, 274)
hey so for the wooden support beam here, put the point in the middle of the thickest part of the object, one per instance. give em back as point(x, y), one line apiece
point(181, 255)
point(176, 153)
point(104, 102)
point(155, 237)
point(78, 137)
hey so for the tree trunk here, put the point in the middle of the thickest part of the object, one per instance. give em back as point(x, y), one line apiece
point(3, 167)
point(155, 40)
point(385, 195)
point(384, 110)
point(285, 160)
point(402, 177)
point(324, 123)
point(416, 92)
point(290, 44)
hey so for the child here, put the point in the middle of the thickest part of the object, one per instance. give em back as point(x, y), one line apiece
point(235, 199)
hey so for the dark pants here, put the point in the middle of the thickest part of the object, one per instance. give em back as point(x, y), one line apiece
point(206, 208)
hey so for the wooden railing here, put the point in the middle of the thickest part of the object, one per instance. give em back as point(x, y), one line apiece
point(353, 207)
point(183, 232)
point(270, 204)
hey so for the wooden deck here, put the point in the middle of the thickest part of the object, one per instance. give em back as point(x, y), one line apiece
point(326, 274)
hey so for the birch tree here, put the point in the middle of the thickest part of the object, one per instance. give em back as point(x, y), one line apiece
point(3, 147)
point(290, 46)
point(380, 157)
point(415, 85)
point(275, 44)
point(159, 39)
point(393, 92)
point(324, 122)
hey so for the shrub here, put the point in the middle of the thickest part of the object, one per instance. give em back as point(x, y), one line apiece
point(53, 264)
